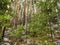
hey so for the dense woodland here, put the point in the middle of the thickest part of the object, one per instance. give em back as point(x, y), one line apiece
point(29, 22)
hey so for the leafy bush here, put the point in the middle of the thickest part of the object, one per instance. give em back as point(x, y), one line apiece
point(17, 33)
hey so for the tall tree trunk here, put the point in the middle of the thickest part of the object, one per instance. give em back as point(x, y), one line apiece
point(30, 13)
point(25, 19)
point(25, 13)
point(17, 10)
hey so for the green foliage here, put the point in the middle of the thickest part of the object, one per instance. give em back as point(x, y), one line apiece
point(3, 6)
point(4, 19)
point(40, 22)
point(17, 33)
